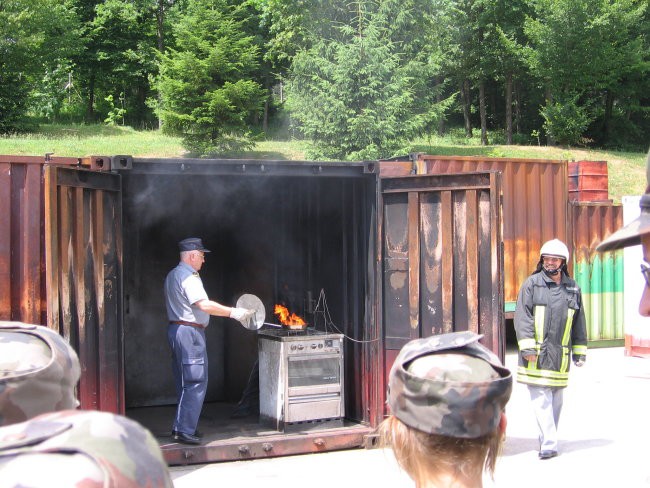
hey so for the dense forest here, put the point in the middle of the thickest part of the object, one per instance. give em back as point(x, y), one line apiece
point(357, 78)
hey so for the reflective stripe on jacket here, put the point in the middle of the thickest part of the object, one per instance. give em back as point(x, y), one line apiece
point(550, 323)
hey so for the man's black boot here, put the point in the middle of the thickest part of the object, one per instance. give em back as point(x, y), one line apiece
point(184, 438)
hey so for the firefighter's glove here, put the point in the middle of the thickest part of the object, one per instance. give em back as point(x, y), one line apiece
point(579, 362)
point(243, 315)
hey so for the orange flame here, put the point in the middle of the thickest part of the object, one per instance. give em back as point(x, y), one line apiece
point(286, 318)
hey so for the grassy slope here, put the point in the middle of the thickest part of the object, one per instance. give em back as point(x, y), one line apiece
point(626, 169)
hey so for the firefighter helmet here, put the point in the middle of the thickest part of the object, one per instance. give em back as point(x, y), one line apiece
point(555, 247)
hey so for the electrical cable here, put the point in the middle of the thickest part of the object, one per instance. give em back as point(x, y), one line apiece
point(327, 318)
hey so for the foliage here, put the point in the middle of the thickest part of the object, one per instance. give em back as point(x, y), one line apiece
point(364, 75)
point(565, 120)
point(590, 53)
point(27, 50)
point(360, 94)
point(209, 96)
point(115, 114)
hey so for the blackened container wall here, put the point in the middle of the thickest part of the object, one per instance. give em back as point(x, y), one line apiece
point(442, 259)
point(535, 201)
point(296, 239)
point(60, 263)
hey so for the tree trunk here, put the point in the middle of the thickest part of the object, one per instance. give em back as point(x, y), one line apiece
point(517, 107)
point(265, 120)
point(550, 140)
point(441, 121)
point(90, 109)
point(509, 108)
point(160, 35)
point(464, 89)
point(609, 108)
point(481, 104)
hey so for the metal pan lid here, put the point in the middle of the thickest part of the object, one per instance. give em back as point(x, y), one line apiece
point(251, 302)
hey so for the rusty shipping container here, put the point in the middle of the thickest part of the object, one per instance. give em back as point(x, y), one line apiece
point(599, 275)
point(87, 242)
point(534, 206)
point(588, 181)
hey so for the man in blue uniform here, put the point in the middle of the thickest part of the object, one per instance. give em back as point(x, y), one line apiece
point(188, 312)
point(551, 330)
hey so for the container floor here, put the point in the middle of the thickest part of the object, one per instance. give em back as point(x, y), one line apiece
point(217, 426)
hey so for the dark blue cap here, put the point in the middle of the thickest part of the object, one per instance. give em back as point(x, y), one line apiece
point(192, 244)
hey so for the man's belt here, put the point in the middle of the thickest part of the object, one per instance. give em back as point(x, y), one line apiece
point(182, 322)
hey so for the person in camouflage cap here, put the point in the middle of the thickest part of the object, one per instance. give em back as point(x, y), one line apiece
point(39, 428)
point(38, 372)
point(447, 395)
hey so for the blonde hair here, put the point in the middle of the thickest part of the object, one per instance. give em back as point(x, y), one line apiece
point(425, 456)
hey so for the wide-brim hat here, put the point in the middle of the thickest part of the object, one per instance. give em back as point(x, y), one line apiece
point(630, 235)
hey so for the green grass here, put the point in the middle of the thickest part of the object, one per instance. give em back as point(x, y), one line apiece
point(626, 169)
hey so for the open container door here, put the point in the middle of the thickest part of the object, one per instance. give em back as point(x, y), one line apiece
point(83, 256)
point(441, 249)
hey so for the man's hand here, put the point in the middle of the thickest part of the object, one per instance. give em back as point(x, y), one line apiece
point(243, 315)
point(531, 358)
point(579, 362)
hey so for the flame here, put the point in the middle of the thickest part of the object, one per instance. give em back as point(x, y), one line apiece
point(286, 318)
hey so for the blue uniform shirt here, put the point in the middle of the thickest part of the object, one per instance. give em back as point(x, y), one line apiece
point(183, 288)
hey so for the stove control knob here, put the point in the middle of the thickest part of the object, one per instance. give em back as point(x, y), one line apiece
point(320, 346)
point(293, 347)
point(301, 347)
point(313, 346)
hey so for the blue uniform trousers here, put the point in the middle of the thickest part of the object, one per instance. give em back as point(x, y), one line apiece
point(190, 368)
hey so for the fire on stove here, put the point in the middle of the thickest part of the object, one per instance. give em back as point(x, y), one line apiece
point(289, 319)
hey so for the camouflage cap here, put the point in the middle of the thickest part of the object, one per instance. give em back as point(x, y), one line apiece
point(450, 385)
point(81, 448)
point(38, 372)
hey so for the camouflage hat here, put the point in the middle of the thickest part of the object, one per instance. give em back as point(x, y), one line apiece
point(81, 448)
point(38, 372)
point(630, 235)
point(450, 385)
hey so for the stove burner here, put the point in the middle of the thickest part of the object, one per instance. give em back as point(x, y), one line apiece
point(290, 332)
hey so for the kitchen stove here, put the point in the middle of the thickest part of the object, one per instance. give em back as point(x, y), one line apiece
point(301, 379)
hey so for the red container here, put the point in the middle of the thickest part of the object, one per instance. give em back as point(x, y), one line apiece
point(588, 181)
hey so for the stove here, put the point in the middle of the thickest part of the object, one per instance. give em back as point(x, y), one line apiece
point(301, 379)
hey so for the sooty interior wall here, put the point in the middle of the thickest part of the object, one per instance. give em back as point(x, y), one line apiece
point(283, 239)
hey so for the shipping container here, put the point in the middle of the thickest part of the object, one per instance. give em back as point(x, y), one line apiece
point(534, 206)
point(599, 275)
point(588, 181)
point(380, 257)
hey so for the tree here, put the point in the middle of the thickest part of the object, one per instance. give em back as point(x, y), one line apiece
point(209, 94)
point(581, 49)
point(38, 38)
point(362, 91)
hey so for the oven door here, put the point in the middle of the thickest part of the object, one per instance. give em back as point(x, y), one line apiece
point(314, 387)
point(314, 374)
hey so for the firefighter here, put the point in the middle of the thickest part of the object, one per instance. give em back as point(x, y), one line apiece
point(551, 330)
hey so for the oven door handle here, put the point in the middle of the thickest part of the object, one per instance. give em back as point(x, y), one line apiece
point(314, 398)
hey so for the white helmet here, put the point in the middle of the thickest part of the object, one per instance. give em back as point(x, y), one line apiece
point(556, 248)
